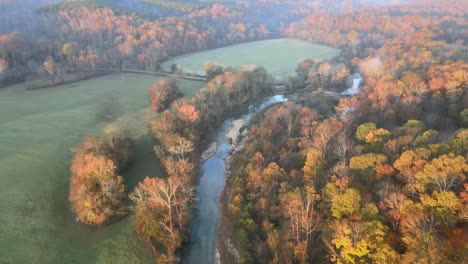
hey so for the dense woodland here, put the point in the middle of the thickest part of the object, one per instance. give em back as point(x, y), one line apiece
point(379, 177)
point(87, 39)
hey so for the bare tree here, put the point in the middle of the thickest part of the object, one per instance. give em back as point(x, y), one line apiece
point(181, 147)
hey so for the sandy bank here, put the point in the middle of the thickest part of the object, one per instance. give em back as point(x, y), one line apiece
point(233, 133)
point(209, 152)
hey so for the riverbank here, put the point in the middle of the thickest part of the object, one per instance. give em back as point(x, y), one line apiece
point(225, 245)
point(225, 248)
point(204, 227)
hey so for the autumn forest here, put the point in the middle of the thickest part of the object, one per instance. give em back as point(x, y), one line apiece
point(359, 155)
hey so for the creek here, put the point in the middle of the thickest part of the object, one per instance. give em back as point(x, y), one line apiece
point(204, 228)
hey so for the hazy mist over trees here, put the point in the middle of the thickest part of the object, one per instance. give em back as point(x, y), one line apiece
point(375, 173)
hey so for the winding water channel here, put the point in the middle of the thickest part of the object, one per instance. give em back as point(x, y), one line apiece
point(212, 181)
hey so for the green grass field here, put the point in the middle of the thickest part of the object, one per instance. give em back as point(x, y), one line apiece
point(37, 130)
point(279, 56)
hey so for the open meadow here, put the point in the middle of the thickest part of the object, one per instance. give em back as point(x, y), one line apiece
point(37, 130)
point(279, 56)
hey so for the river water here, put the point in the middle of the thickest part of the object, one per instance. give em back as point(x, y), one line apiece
point(212, 181)
point(357, 80)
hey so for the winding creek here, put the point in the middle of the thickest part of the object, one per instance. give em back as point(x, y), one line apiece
point(212, 181)
point(204, 231)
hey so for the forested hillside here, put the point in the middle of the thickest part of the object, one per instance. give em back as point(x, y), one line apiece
point(86, 39)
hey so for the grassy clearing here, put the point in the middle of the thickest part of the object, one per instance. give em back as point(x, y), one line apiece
point(37, 129)
point(279, 56)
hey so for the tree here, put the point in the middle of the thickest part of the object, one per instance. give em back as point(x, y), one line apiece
point(340, 75)
point(312, 165)
point(425, 138)
point(188, 113)
point(299, 208)
point(343, 147)
point(378, 135)
point(324, 133)
point(347, 108)
point(346, 204)
point(163, 125)
point(272, 176)
point(363, 130)
point(181, 147)
point(367, 161)
point(67, 50)
point(419, 236)
point(172, 194)
point(353, 37)
point(307, 119)
point(443, 173)
point(179, 167)
point(463, 114)
point(174, 68)
point(3, 65)
point(414, 83)
point(459, 142)
point(443, 204)
point(303, 69)
point(273, 242)
point(354, 242)
point(212, 70)
point(92, 60)
point(3, 68)
point(394, 203)
point(162, 213)
point(50, 67)
point(96, 192)
point(118, 146)
point(372, 68)
point(162, 93)
point(408, 164)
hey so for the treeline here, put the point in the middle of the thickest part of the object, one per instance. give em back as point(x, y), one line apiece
point(97, 192)
point(87, 39)
point(177, 5)
point(71, 5)
point(409, 66)
point(164, 206)
point(370, 28)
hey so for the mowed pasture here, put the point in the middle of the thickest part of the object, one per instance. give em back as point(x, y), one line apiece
point(37, 130)
point(279, 57)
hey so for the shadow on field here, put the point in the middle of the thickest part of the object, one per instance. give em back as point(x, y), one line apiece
point(109, 110)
